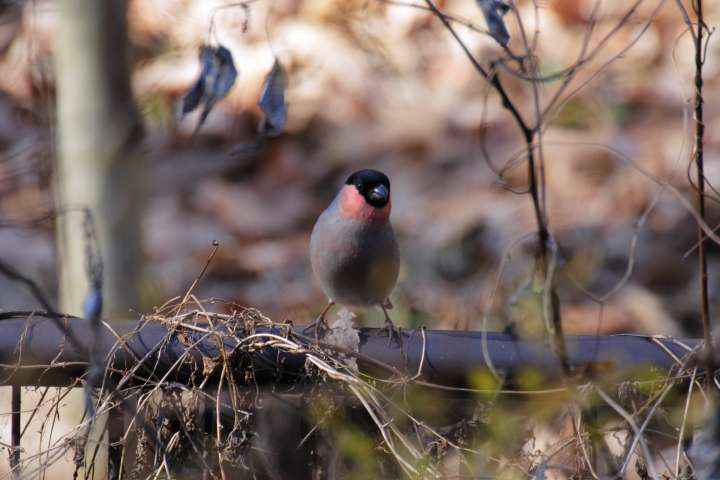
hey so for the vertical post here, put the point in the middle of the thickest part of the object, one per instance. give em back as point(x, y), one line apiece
point(98, 168)
point(98, 165)
point(15, 434)
point(116, 431)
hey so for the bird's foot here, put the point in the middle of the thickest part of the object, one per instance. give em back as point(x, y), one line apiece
point(395, 337)
point(394, 333)
point(319, 327)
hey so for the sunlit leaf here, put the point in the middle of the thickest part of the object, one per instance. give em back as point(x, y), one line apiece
point(483, 381)
point(525, 312)
point(217, 76)
point(493, 11)
point(272, 101)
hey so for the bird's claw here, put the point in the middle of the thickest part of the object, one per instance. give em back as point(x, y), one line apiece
point(319, 328)
point(395, 333)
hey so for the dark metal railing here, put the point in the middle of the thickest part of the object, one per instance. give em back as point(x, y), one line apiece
point(35, 351)
point(47, 350)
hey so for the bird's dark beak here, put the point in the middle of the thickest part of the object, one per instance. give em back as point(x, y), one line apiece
point(379, 195)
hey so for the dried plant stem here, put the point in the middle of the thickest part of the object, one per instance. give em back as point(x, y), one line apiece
point(529, 134)
point(633, 425)
point(16, 434)
point(681, 436)
point(699, 162)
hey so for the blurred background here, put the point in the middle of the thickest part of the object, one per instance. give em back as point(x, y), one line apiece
point(371, 84)
point(382, 85)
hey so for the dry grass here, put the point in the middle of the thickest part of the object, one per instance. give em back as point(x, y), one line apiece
point(354, 424)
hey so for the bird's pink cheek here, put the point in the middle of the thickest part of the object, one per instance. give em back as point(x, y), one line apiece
point(353, 206)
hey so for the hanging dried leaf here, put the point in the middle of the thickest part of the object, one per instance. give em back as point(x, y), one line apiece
point(493, 11)
point(92, 307)
point(216, 78)
point(272, 102)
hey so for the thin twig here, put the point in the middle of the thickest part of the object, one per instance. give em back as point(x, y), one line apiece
point(215, 245)
point(528, 133)
point(699, 134)
point(683, 423)
point(628, 418)
point(16, 434)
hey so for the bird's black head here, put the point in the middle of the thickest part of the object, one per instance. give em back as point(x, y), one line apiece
point(374, 186)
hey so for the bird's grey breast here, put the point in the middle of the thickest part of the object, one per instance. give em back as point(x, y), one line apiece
point(356, 262)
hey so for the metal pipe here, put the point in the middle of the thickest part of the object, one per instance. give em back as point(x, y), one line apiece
point(34, 351)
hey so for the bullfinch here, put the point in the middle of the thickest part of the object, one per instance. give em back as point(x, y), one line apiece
point(353, 251)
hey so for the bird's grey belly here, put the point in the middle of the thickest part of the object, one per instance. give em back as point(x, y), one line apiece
point(356, 268)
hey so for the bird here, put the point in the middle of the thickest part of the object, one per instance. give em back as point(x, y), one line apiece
point(353, 250)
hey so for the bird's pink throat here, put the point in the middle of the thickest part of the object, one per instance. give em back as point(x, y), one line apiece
point(354, 206)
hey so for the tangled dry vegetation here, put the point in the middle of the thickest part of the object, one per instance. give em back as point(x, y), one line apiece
point(236, 395)
point(385, 85)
